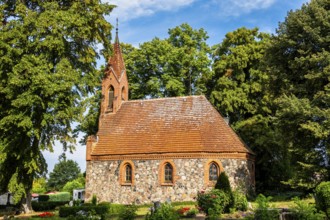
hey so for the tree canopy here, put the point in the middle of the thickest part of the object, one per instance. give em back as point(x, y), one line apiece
point(64, 171)
point(176, 66)
point(299, 63)
point(47, 64)
point(39, 185)
point(237, 87)
point(74, 184)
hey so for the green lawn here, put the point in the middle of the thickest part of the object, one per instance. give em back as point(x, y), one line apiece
point(143, 210)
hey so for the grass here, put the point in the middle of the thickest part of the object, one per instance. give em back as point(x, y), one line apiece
point(284, 202)
point(144, 209)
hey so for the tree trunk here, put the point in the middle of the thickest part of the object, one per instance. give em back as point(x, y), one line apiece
point(26, 204)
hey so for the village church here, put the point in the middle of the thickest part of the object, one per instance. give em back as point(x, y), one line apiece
point(159, 149)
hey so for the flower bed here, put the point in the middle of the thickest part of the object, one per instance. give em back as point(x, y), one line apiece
point(46, 215)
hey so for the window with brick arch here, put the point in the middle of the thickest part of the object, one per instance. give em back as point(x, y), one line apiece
point(128, 173)
point(127, 170)
point(168, 171)
point(111, 98)
point(213, 172)
point(123, 93)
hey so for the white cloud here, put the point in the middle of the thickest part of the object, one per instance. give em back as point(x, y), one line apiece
point(238, 7)
point(130, 9)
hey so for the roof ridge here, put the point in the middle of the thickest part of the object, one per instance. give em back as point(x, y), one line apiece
point(166, 98)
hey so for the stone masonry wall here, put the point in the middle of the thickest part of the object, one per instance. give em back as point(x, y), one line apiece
point(102, 179)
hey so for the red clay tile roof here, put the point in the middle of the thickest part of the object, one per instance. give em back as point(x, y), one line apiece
point(167, 125)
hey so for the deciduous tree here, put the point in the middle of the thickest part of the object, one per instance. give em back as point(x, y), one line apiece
point(176, 66)
point(63, 172)
point(47, 63)
point(39, 185)
point(74, 184)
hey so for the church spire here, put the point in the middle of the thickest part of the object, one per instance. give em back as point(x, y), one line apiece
point(117, 38)
point(116, 61)
point(115, 83)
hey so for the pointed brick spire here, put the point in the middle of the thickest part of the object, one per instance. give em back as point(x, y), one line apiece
point(115, 82)
point(116, 60)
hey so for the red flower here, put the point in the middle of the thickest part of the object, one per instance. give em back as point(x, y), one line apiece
point(46, 214)
point(183, 210)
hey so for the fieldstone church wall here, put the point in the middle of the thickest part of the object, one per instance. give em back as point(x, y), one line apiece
point(103, 180)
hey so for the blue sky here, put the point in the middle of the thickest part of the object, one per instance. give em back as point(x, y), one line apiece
point(142, 20)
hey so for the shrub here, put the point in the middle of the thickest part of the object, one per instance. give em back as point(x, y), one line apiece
point(71, 185)
point(9, 211)
point(83, 215)
point(304, 211)
point(57, 197)
point(223, 183)
point(77, 202)
point(322, 197)
point(114, 209)
point(46, 206)
point(164, 212)
point(187, 212)
point(239, 201)
point(263, 212)
point(214, 201)
point(128, 212)
point(94, 199)
point(43, 198)
point(100, 210)
point(192, 213)
point(108, 204)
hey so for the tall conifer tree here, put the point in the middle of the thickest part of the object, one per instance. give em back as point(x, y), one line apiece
point(299, 61)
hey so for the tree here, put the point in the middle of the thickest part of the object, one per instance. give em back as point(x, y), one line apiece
point(47, 63)
point(74, 184)
point(299, 63)
point(39, 185)
point(239, 89)
point(191, 60)
point(63, 172)
point(176, 66)
point(145, 68)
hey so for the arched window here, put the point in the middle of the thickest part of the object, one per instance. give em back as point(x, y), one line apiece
point(168, 172)
point(123, 93)
point(111, 97)
point(213, 172)
point(128, 173)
